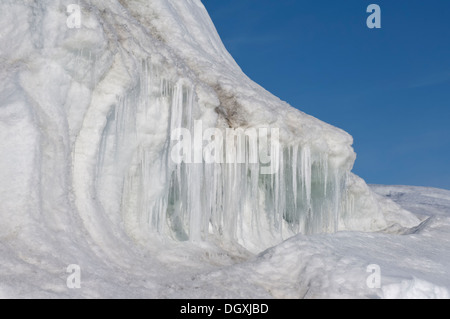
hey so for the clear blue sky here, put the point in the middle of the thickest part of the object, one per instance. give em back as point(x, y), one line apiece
point(389, 87)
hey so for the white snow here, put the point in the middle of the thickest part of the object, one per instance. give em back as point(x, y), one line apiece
point(416, 265)
point(86, 178)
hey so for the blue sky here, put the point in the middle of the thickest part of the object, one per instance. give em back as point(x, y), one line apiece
point(389, 87)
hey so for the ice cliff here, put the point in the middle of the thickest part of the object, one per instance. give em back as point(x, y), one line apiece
point(87, 120)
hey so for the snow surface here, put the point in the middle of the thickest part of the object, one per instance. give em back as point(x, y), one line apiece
point(416, 265)
point(86, 116)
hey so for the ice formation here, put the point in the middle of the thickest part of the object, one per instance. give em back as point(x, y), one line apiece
point(86, 120)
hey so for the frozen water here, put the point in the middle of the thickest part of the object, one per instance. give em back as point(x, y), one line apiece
point(87, 174)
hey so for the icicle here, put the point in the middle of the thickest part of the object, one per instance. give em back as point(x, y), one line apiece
point(337, 199)
point(294, 174)
point(231, 200)
point(306, 173)
point(325, 178)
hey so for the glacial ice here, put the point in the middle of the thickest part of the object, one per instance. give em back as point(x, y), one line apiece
point(192, 201)
point(126, 83)
point(86, 120)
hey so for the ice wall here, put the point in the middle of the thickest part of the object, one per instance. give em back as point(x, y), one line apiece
point(234, 199)
point(94, 108)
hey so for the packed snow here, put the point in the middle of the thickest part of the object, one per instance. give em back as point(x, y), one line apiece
point(89, 116)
